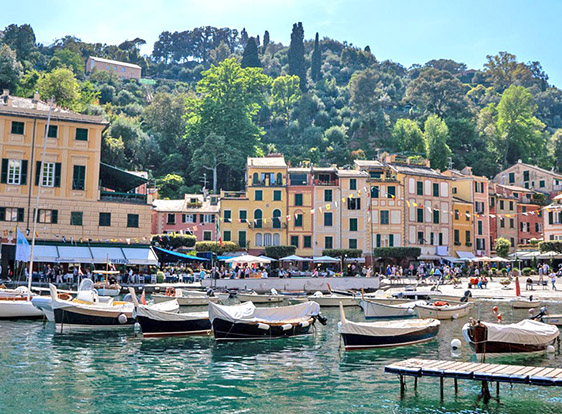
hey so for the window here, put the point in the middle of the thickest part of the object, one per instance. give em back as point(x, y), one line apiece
point(295, 241)
point(105, 219)
point(207, 235)
point(279, 180)
point(243, 216)
point(298, 199)
point(352, 224)
point(391, 191)
point(327, 219)
point(53, 131)
point(258, 196)
point(467, 216)
point(391, 240)
point(375, 191)
point(435, 189)
point(276, 219)
point(307, 242)
point(258, 218)
point(170, 219)
point(51, 174)
point(480, 227)
point(511, 178)
point(525, 176)
point(206, 218)
point(298, 220)
point(133, 220)
point(511, 223)
point(226, 235)
point(523, 209)
point(259, 240)
point(502, 223)
point(189, 218)
point(385, 217)
point(11, 214)
point(277, 195)
point(420, 215)
point(14, 172)
point(541, 184)
point(76, 218)
point(78, 177)
point(354, 204)
point(242, 239)
point(435, 216)
point(454, 190)
point(375, 174)
point(431, 238)
point(328, 242)
point(298, 179)
point(501, 205)
point(378, 240)
point(327, 195)
point(420, 237)
point(511, 205)
point(468, 240)
point(456, 214)
point(440, 239)
point(353, 243)
point(17, 128)
point(512, 240)
point(276, 239)
point(227, 216)
point(255, 179)
point(419, 188)
point(81, 134)
point(353, 184)
point(457, 237)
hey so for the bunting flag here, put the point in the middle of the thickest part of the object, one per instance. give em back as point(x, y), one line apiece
point(327, 206)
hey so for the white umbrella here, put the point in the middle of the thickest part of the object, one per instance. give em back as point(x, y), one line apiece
point(271, 259)
point(325, 259)
point(247, 258)
point(294, 258)
point(498, 259)
point(550, 255)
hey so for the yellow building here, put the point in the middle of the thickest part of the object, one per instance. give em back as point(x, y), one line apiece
point(81, 198)
point(353, 206)
point(299, 205)
point(463, 228)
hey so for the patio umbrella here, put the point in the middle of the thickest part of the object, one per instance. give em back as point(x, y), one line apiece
point(248, 259)
point(550, 255)
point(325, 259)
point(498, 259)
point(271, 259)
point(294, 258)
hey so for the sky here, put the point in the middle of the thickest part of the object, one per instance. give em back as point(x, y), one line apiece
point(404, 31)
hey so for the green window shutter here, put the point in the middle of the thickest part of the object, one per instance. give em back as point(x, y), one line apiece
point(2, 213)
point(23, 172)
point(57, 174)
point(20, 214)
point(4, 177)
point(54, 216)
point(201, 218)
point(195, 218)
point(37, 172)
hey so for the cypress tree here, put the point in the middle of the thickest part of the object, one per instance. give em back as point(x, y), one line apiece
point(296, 55)
point(250, 57)
point(243, 37)
point(265, 41)
point(316, 62)
point(368, 49)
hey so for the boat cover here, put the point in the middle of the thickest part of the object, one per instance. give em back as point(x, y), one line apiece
point(247, 312)
point(386, 328)
point(526, 332)
point(446, 307)
point(158, 314)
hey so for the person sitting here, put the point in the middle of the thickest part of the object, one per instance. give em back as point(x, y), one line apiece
point(529, 285)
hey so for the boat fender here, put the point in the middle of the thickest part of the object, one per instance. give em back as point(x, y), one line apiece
point(410, 311)
point(440, 303)
point(550, 349)
point(286, 327)
point(263, 326)
point(322, 319)
point(455, 344)
point(122, 318)
point(304, 324)
point(455, 316)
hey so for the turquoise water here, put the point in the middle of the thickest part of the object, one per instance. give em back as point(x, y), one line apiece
point(119, 372)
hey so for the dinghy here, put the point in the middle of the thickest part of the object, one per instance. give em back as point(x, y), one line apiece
point(522, 303)
point(373, 309)
point(545, 317)
point(494, 338)
point(443, 310)
point(185, 297)
point(381, 334)
point(254, 297)
point(246, 322)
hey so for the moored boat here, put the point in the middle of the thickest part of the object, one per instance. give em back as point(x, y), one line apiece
point(443, 310)
point(521, 303)
point(254, 297)
point(185, 297)
point(382, 334)
point(373, 309)
point(333, 299)
point(247, 322)
point(524, 336)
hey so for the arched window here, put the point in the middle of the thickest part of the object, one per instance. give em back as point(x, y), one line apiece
point(259, 240)
point(267, 239)
point(279, 179)
point(276, 239)
point(276, 219)
point(257, 219)
point(255, 180)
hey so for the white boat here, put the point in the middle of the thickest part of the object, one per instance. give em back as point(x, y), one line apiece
point(185, 297)
point(333, 300)
point(254, 297)
point(106, 288)
point(522, 303)
point(20, 291)
point(374, 309)
point(21, 308)
point(443, 310)
point(43, 303)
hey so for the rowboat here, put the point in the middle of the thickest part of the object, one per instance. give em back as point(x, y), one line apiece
point(443, 310)
point(524, 336)
point(374, 309)
point(333, 299)
point(246, 322)
point(185, 297)
point(381, 334)
point(254, 297)
point(520, 303)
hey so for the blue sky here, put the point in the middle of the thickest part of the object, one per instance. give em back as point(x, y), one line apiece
point(405, 31)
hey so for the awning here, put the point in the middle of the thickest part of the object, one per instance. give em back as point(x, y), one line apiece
point(454, 259)
point(294, 258)
point(169, 256)
point(68, 253)
point(465, 255)
point(74, 254)
point(119, 180)
point(140, 256)
point(108, 254)
point(45, 253)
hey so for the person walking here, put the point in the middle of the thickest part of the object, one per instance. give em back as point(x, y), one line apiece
point(553, 280)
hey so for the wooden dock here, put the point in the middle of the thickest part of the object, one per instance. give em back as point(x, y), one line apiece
point(498, 373)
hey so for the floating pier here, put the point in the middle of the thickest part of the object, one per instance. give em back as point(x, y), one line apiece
point(498, 373)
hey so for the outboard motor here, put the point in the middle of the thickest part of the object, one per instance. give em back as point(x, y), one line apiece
point(538, 316)
point(467, 294)
point(322, 319)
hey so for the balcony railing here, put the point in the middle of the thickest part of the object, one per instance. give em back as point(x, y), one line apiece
point(326, 183)
point(130, 198)
point(234, 194)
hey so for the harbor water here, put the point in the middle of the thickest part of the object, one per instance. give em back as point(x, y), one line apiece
point(120, 372)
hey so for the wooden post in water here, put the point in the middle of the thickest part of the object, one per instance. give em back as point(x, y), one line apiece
point(498, 390)
point(456, 387)
point(415, 383)
point(441, 380)
point(402, 386)
point(485, 391)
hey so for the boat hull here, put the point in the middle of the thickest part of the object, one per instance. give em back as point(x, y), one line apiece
point(96, 318)
point(44, 304)
point(18, 309)
point(374, 310)
point(333, 301)
point(229, 331)
point(525, 304)
point(154, 328)
point(477, 339)
point(260, 298)
point(187, 300)
point(443, 313)
point(552, 319)
point(355, 341)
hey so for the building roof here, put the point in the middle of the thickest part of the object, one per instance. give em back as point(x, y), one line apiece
point(515, 188)
point(115, 62)
point(267, 162)
point(31, 108)
point(420, 170)
point(533, 167)
point(352, 173)
point(368, 163)
point(460, 201)
point(183, 206)
point(299, 170)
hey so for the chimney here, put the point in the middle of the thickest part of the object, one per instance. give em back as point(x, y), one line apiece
point(35, 97)
point(5, 92)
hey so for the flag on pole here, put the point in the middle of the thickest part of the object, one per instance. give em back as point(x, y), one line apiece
point(23, 249)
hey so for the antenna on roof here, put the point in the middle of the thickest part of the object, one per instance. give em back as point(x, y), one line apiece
point(450, 163)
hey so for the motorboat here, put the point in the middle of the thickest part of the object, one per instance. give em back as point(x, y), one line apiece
point(373, 309)
point(545, 317)
point(254, 297)
point(107, 287)
point(434, 295)
point(332, 299)
point(16, 304)
point(443, 310)
point(44, 304)
point(186, 297)
point(156, 322)
point(493, 338)
point(247, 322)
point(382, 334)
point(20, 291)
point(522, 303)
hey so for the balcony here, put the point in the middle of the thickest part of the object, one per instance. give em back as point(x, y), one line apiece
point(129, 198)
point(234, 194)
point(197, 204)
point(332, 183)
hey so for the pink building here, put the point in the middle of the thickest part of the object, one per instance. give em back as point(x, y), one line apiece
point(193, 215)
point(122, 69)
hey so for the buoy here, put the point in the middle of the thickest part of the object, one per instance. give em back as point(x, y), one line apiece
point(410, 311)
point(550, 349)
point(455, 316)
point(495, 309)
point(137, 326)
point(122, 318)
point(455, 344)
point(500, 317)
point(531, 312)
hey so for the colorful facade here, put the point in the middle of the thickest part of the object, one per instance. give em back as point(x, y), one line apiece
point(463, 228)
point(122, 69)
point(530, 177)
point(552, 217)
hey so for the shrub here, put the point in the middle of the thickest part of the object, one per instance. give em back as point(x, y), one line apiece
point(526, 271)
point(551, 246)
point(397, 252)
point(342, 252)
point(215, 247)
point(279, 251)
point(173, 241)
point(502, 246)
point(504, 271)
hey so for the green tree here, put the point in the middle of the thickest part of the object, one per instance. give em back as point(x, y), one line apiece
point(366, 91)
point(250, 58)
point(10, 69)
point(436, 135)
point(407, 136)
point(285, 93)
point(295, 56)
point(518, 132)
point(316, 61)
point(502, 246)
point(62, 85)
point(21, 39)
point(265, 41)
point(210, 155)
point(171, 187)
point(555, 148)
point(503, 70)
point(68, 59)
point(165, 118)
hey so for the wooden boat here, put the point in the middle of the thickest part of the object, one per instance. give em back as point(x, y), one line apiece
point(157, 322)
point(373, 309)
point(524, 336)
point(443, 310)
point(44, 304)
point(435, 296)
point(185, 297)
point(246, 322)
point(254, 297)
point(382, 334)
point(332, 300)
point(522, 303)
